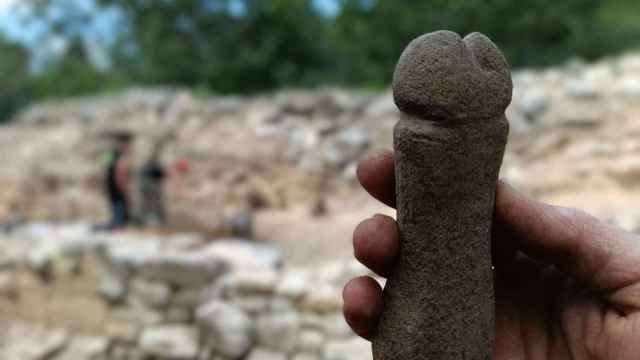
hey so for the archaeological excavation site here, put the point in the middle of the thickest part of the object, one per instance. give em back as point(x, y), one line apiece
point(260, 204)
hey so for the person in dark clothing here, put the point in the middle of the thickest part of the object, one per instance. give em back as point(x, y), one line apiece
point(151, 188)
point(117, 182)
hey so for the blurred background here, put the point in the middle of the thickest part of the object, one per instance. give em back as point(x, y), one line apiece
point(178, 176)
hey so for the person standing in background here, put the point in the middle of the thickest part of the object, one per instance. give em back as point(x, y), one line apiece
point(152, 179)
point(117, 181)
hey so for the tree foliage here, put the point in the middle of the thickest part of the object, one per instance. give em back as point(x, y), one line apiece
point(244, 46)
point(14, 83)
point(531, 33)
point(275, 43)
point(264, 45)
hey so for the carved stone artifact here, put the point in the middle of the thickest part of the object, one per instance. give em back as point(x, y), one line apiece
point(439, 300)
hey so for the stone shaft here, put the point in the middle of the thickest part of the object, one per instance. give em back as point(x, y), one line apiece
point(439, 301)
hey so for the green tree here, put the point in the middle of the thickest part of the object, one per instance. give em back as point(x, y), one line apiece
point(370, 35)
point(74, 75)
point(274, 44)
point(246, 46)
point(264, 44)
point(14, 84)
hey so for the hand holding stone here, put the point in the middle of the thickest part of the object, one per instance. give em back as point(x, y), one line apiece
point(449, 148)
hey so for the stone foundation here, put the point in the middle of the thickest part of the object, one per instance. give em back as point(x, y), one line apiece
point(71, 294)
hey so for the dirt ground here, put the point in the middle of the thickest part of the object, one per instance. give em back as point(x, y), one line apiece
point(305, 239)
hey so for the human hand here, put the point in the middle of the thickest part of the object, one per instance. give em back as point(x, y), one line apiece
point(566, 285)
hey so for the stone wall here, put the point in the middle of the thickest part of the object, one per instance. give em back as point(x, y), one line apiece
point(135, 296)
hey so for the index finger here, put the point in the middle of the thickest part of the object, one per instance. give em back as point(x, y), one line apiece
point(376, 173)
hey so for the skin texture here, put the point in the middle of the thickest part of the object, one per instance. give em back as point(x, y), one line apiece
point(449, 149)
point(566, 285)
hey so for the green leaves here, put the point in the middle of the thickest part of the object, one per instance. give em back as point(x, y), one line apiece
point(14, 82)
point(247, 46)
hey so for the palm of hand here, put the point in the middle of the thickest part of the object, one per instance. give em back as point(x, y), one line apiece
point(541, 314)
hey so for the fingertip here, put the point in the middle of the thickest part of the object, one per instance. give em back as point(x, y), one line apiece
point(376, 155)
point(363, 305)
point(376, 243)
point(376, 173)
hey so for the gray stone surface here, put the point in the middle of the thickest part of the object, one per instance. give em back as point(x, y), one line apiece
point(225, 329)
point(85, 348)
point(245, 254)
point(26, 343)
point(181, 269)
point(278, 331)
point(253, 309)
point(177, 315)
point(441, 76)
point(254, 282)
point(114, 284)
point(305, 356)
point(265, 354)
point(310, 341)
point(177, 342)
point(188, 297)
point(153, 294)
point(439, 298)
point(123, 331)
point(323, 299)
point(352, 349)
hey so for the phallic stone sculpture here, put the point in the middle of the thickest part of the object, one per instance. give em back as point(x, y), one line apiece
point(439, 300)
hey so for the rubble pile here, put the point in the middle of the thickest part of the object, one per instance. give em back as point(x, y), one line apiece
point(79, 295)
point(573, 130)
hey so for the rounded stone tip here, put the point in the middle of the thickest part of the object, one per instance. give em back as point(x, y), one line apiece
point(441, 77)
